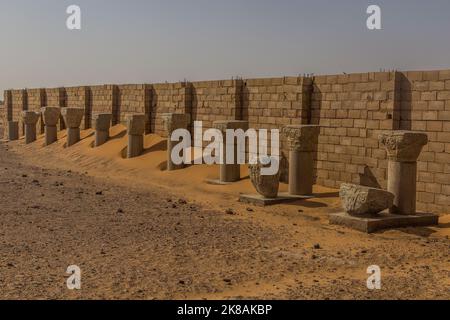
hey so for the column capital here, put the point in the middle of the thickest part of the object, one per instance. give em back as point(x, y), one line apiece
point(174, 121)
point(51, 115)
point(403, 146)
point(102, 121)
point(224, 125)
point(135, 124)
point(72, 117)
point(302, 137)
point(30, 117)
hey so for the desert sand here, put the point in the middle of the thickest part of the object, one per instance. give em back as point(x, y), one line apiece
point(139, 232)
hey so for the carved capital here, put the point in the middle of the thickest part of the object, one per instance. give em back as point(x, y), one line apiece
point(72, 117)
point(51, 115)
point(302, 137)
point(30, 117)
point(403, 146)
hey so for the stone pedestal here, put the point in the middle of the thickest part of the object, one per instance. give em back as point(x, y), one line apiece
point(13, 130)
point(50, 116)
point(302, 142)
point(135, 130)
point(30, 119)
point(403, 149)
point(229, 172)
point(172, 122)
point(102, 123)
point(72, 119)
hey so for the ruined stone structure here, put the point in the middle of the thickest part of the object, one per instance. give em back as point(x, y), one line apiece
point(351, 109)
point(30, 119)
point(135, 130)
point(229, 172)
point(172, 122)
point(72, 119)
point(403, 149)
point(13, 130)
point(266, 185)
point(102, 123)
point(361, 201)
point(51, 116)
point(302, 144)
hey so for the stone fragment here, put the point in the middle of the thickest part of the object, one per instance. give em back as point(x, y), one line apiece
point(359, 200)
point(265, 185)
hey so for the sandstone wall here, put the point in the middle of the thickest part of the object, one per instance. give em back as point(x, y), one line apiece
point(351, 109)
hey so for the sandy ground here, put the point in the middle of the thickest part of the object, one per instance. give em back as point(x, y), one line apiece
point(138, 232)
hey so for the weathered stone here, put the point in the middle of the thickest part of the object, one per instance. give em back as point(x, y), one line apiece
point(230, 172)
point(403, 149)
point(403, 146)
point(30, 118)
point(266, 185)
point(172, 122)
point(72, 118)
point(135, 124)
point(102, 124)
point(135, 129)
point(13, 130)
point(302, 143)
point(50, 117)
point(359, 200)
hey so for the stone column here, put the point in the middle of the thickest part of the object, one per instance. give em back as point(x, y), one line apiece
point(30, 119)
point(102, 124)
point(172, 122)
point(51, 118)
point(302, 142)
point(13, 130)
point(403, 149)
point(230, 172)
point(72, 119)
point(136, 129)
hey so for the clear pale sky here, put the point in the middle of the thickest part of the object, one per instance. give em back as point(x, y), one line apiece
point(145, 41)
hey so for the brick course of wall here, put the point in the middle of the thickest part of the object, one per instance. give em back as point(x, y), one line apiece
point(216, 100)
point(352, 110)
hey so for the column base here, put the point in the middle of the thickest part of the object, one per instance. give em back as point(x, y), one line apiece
point(385, 220)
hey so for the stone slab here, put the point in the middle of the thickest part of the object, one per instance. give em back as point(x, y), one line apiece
point(259, 200)
point(383, 221)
